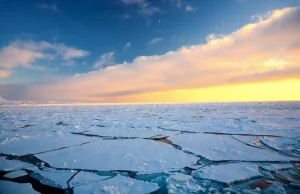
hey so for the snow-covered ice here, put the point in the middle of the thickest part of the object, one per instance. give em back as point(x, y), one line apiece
point(151, 147)
point(288, 145)
point(129, 155)
point(118, 184)
point(129, 132)
point(275, 167)
point(228, 173)
point(57, 179)
point(8, 165)
point(82, 178)
point(15, 174)
point(42, 143)
point(181, 184)
point(223, 147)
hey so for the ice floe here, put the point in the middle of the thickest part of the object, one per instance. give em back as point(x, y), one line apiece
point(7, 187)
point(15, 174)
point(57, 179)
point(129, 132)
point(275, 167)
point(181, 184)
point(228, 173)
point(8, 165)
point(118, 184)
point(129, 155)
point(82, 178)
point(274, 189)
point(288, 145)
point(223, 147)
point(42, 143)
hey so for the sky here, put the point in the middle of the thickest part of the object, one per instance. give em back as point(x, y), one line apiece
point(97, 51)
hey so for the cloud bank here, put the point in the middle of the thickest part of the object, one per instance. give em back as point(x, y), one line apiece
point(24, 53)
point(267, 50)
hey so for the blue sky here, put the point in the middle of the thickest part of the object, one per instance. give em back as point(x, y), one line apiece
point(109, 32)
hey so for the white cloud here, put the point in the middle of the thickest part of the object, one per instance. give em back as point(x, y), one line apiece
point(127, 45)
point(52, 7)
point(264, 51)
point(155, 40)
point(107, 59)
point(144, 7)
point(211, 37)
point(189, 8)
point(24, 53)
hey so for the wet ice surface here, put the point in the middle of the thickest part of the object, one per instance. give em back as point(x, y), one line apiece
point(160, 148)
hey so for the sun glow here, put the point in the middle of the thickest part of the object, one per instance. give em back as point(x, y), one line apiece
point(286, 90)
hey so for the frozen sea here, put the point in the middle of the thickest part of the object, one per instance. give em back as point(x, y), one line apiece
point(227, 148)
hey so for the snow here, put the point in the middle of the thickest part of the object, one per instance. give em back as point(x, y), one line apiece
point(275, 167)
point(57, 179)
point(15, 174)
point(85, 177)
point(118, 184)
point(228, 173)
point(8, 165)
point(224, 147)
point(131, 155)
point(11, 187)
point(181, 184)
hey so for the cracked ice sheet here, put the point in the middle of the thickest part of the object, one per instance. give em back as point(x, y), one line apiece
point(15, 174)
point(57, 179)
point(8, 165)
point(129, 132)
point(181, 184)
point(85, 177)
point(7, 187)
point(118, 184)
point(224, 147)
point(275, 167)
point(249, 140)
point(291, 145)
point(41, 143)
point(132, 155)
point(228, 173)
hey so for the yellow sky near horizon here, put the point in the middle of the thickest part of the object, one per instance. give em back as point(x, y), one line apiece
point(283, 90)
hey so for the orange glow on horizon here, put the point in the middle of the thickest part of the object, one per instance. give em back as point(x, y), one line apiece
point(286, 90)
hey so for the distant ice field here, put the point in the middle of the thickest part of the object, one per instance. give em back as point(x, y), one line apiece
point(162, 148)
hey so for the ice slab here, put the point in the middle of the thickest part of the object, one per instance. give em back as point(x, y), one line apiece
point(181, 184)
point(291, 145)
point(274, 189)
point(224, 147)
point(85, 177)
point(249, 140)
point(129, 132)
point(42, 143)
point(8, 165)
point(131, 155)
point(118, 184)
point(228, 173)
point(15, 174)
point(275, 167)
point(57, 179)
point(11, 187)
